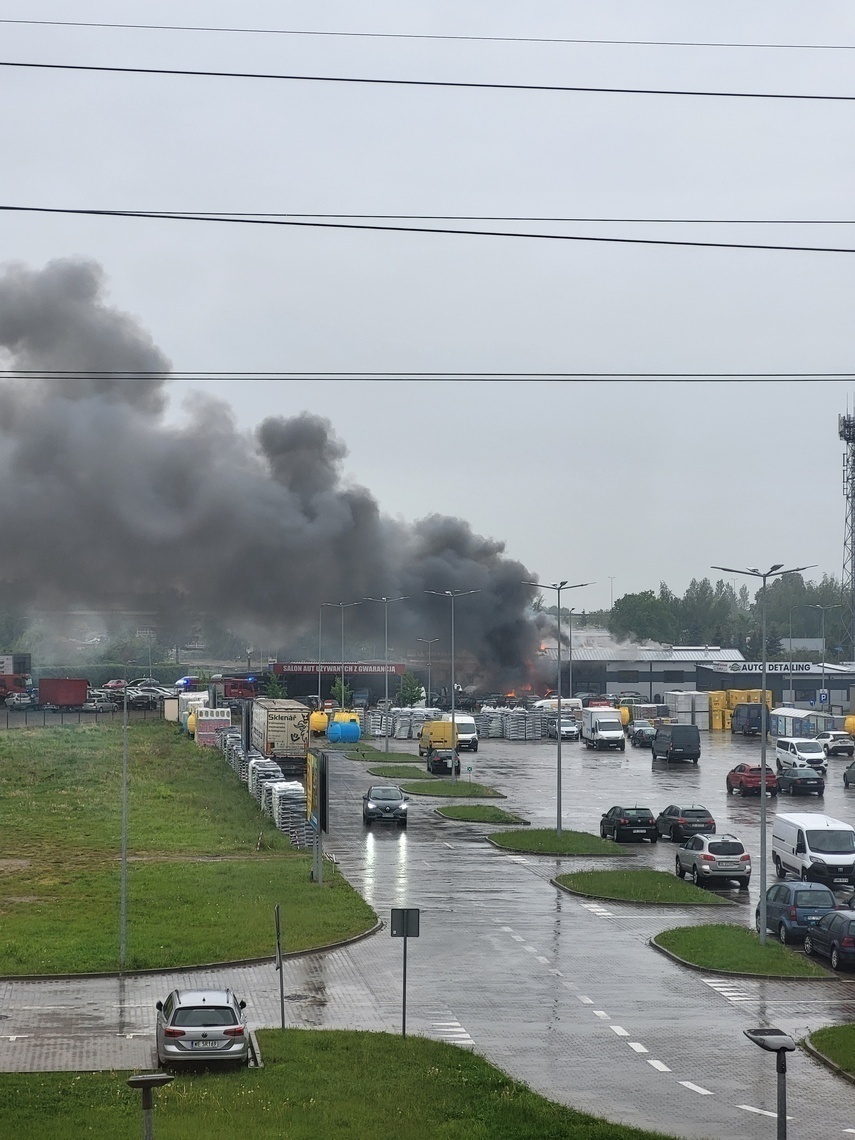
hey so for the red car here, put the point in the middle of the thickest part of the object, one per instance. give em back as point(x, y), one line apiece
point(745, 779)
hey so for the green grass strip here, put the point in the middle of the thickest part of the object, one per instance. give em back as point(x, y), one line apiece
point(837, 1042)
point(378, 756)
point(641, 886)
point(399, 772)
point(544, 841)
point(462, 788)
point(725, 946)
point(479, 813)
point(314, 1084)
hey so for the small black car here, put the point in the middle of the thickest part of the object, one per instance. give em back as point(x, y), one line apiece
point(801, 781)
point(629, 823)
point(439, 762)
point(678, 823)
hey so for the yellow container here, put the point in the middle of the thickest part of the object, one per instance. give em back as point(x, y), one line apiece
point(718, 700)
point(716, 720)
point(318, 722)
point(624, 715)
point(849, 725)
point(735, 697)
point(345, 716)
point(727, 717)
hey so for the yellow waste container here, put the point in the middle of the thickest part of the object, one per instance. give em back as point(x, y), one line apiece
point(727, 716)
point(716, 720)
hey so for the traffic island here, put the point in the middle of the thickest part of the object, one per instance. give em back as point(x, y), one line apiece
point(480, 813)
point(378, 756)
point(653, 888)
point(399, 772)
point(457, 788)
point(724, 948)
point(545, 841)
point(834, 1046)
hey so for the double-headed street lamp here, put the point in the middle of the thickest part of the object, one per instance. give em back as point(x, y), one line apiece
point(452, 594)
point(342, 606)
point(386, 602)
point(822, 609)
point(558, 587)
point(776, 571)
point(428, 641)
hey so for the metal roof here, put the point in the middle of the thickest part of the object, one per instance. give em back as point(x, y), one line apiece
point(691, 655)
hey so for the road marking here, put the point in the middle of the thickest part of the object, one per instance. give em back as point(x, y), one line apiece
point(14, 1036)
point(506, 929)
point(517, 938)
point(695, 1088)
point(558, 974)
point(637, 1046)
point(600, 1013)
point(541, 958)
point(585, 1000)
point(530, 949)
point(774, 1115)
point(660, 1066)
point(619, 1030)
point(451, 845)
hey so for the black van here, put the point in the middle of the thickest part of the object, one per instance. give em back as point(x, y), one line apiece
point(746, 719)
point(677, 742)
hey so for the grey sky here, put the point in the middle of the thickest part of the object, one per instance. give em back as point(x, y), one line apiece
point(642, 481)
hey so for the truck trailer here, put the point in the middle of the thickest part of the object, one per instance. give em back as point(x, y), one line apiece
point(63, 692)
point(279, 730)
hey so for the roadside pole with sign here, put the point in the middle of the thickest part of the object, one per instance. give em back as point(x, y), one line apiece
point(279, 967)
point(405, 924)
point(317, 809)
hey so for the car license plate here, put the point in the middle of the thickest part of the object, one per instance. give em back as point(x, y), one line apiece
point(728, 866)
point(844, 880)
point(204, 1044)
point(811, 919)
point(639, 830)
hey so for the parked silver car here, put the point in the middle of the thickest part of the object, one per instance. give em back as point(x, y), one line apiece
point(202, 1027)
point(714, 858)
point(570, 728)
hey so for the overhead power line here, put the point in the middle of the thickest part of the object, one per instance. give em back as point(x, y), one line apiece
point(376, 227)
point(435, 83)
point(507, 218)
point(405, 375)
point(424, 36)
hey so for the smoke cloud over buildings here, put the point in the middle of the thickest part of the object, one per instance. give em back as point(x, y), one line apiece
point(108, 504)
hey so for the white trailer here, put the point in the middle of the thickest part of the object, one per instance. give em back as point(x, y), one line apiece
point(280, 731)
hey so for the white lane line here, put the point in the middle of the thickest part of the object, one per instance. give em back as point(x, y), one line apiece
point(585, 1000)
point(774, 1115)
point(541, 958)
point(517, 938)
point(506, 929)
point(600, 1013)
point(637, 1046)
point(558, 974)
point(660, 1066)
point(451, 845)
point(619, 1030)
point(530, 949)
point(695, 1088)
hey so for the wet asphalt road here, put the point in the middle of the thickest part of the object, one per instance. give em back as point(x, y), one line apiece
point(562, 993)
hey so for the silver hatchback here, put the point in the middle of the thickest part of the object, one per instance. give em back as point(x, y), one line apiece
point(710, 858)
point(202, 1027)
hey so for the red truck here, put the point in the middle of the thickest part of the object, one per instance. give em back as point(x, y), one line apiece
point(11, 683)
point(63, 692)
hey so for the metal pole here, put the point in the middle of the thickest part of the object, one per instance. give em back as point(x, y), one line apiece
point(763, 730)
point(781, 1068)
point(404, 1002)
point(428, 642)
point(822, 611)
point(570, 658)
point(341, 694)
point(123, 908)
point(148, 1114)
point(279, 968)
point(558, 727)
point(453, 722)
point(320, 615)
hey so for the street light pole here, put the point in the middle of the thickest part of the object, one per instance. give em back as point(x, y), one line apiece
point(429, 642)
point(386, 602)
point(342, 607)
point(776, 571)
point(320, 615)
point(452, 594)
point(822, 609)
point(558, 587)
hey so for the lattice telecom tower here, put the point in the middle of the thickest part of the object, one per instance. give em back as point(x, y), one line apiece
point(846, 431)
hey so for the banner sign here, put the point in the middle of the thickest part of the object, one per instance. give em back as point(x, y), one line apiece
point(771, 667)
point(334, 668)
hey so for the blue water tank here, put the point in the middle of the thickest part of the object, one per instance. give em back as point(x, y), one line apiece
point(334, 731)
point(350, 732)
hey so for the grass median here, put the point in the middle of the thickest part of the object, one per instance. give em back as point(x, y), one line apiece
point(736, 949)
point(461, 788)
point(544, 841)
point(479, 813)
point(640, 886)
point(378, 756)
point(315, 1083)
point(837, 1042)
point(399, 772)
point(205, 866)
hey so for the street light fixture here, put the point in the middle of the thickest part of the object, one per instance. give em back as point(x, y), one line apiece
point(776, 571)
point(558, 587)
point(822, 609)
point(386, 602)
point(428, 641)
point(778, 1042)
point(147, 1083)
point(342, 606)
point(452, 594)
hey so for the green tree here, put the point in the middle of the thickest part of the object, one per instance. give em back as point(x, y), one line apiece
point(275, 688)
point(342, 694)
point(409, 691)
point(642, 616)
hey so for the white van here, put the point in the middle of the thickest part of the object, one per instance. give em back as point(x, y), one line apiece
point(814, 847)
point(571, 706)
point(790, 748)
point(467, 731)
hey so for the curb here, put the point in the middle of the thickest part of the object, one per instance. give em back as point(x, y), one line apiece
point(238, 962)
point(473, 796)
point(827, 1061)
point(486, 823)
point(736, 973)
point(637, 902)
point(560, 854)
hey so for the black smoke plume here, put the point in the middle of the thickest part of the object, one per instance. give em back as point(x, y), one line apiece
point(106, 504)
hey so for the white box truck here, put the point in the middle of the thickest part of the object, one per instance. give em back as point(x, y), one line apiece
point(280, 731)
point(602, 728)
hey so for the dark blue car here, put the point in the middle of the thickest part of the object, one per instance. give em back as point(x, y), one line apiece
point(794, 908)
point(833, 936)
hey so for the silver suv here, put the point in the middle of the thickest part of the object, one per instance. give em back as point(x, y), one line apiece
point(201, 1027)
point(708, 858)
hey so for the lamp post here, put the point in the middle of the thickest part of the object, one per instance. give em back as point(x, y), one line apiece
point(386, 602)
point(123, 896)
point(452, 594)
point(428, 641)
point(342, 606)
point(792, 676)
point(822, 609)
point(776, 571)
point(611, 591)
point(558, 587)
point(780, 1043)
point(320, 615)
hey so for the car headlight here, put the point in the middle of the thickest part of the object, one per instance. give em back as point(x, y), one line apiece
point(403, 807)
point(371, 804)
point(816, 859)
